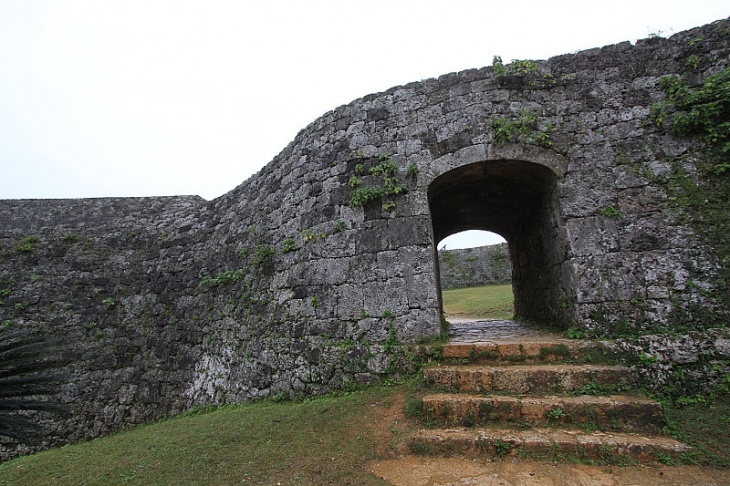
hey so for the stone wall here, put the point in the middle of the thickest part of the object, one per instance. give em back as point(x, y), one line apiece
point(472, 267)
point(305, 277)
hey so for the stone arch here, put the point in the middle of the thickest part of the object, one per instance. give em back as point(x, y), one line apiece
point(512, 192)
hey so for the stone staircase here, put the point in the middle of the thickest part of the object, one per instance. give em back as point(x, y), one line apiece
point(536, 395)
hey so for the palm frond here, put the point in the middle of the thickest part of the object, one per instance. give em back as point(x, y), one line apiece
point(26, 364)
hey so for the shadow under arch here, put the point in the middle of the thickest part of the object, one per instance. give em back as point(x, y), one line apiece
point(516, 199)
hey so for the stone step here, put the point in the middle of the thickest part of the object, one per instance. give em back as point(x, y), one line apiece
point(535, 379)
point(511, 352)
point(545, 444)
point(628, 413)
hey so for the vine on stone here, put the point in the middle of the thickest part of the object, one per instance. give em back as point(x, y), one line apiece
point(387, 170)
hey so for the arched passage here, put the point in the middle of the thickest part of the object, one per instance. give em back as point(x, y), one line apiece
point(515, 199)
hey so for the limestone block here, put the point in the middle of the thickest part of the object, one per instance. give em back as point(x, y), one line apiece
point(594, 235)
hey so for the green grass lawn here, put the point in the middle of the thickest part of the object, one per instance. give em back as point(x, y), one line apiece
point(318, 441)
point(486, 302)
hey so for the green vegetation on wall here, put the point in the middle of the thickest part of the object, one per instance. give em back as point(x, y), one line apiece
point(704, 113)
point(386, 170)
point(25, 245)
point(262, 254)
point(524, 71)
point(6, 288)
point(288, 245)
point(224, 278)
point(525, 129)
point(611, 212)
point(518, 66)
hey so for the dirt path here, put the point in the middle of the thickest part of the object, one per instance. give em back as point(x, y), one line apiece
point(427, 471)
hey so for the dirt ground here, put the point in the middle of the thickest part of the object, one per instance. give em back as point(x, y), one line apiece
point(400, 468)
point(426, 471)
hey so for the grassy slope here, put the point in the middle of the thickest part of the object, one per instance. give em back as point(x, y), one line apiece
point(319, 441)
point(486, 302)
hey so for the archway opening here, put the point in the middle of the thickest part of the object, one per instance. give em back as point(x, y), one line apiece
point(517, 200)
point(475, 277)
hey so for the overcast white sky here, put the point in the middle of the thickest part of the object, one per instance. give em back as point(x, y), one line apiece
point(145, 98)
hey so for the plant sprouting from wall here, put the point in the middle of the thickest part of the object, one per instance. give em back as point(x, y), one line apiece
point(262, 254)
point(288, 245)
point(25, 245)
point(386, 171)
point(70, 238)
point(109, 302)
point(498, 66)
point(611, 212)
point(340, 226)
point(308, 236)
point(412, 169)
point(522, 66)
point(692, 62)
point(6, 288)
point(224, 278)
point(521, 73)
point(524, 129)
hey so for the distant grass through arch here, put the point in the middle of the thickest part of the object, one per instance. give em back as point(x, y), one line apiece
point(485, 302)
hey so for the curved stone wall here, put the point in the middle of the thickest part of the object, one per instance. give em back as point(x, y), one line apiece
point(304, 277)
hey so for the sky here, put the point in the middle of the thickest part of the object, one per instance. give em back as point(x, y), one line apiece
point(118, 98)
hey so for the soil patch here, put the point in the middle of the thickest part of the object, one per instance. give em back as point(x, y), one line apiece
point(411, 470)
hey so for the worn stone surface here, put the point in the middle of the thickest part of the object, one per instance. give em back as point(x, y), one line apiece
point(527, 378)
point(628, 413)
point(689, 364)
point(284, 285)
point(488, 442)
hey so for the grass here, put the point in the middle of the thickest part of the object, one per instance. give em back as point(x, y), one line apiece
point(324, 440)
point(485, 302)
point(706, 427)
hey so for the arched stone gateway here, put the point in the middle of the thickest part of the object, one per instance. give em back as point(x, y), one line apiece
point(304, 278)
point(516, 199)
